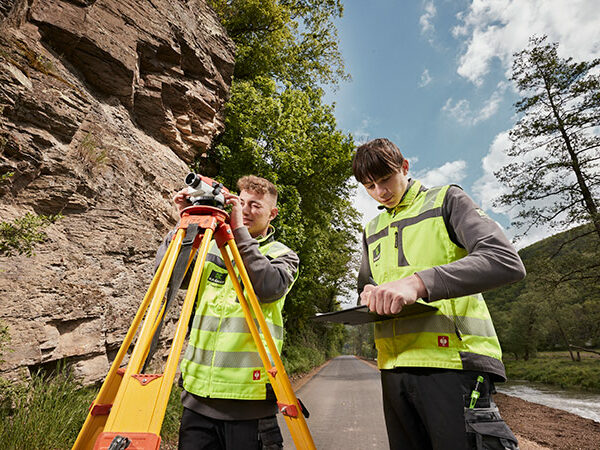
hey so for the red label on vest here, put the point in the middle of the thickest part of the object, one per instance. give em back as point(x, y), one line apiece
point(256, 375)
point(443, 341)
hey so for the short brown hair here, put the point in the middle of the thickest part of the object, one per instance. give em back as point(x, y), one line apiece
point(257, 184)
point(376, 159)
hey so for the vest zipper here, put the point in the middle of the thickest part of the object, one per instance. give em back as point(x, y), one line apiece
point(456, 330)
point(396, 239)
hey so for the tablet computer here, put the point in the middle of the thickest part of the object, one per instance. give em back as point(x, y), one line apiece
point(361, 314)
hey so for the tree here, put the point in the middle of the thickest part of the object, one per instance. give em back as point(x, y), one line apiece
point(558, 304)
point(277, 126)
point(291, 41)
point(555, 145)
point(289, 137)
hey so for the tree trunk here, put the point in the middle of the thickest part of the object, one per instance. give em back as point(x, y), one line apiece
point(564, 336)
point(588, 200)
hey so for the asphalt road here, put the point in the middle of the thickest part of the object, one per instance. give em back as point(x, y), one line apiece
point(344, 400)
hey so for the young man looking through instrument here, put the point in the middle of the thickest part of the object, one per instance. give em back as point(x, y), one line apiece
point(228, 402)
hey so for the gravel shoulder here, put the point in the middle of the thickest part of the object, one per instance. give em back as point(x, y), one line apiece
point(547, 427)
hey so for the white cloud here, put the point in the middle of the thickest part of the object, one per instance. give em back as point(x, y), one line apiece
point(487, 188)
point(425, 78)
point(450, 172)
point(497, 29)
point(461, 110)
point(361, 134)
point(426, 19)
point(464, 113)
point(412, 159)
point(492, 104)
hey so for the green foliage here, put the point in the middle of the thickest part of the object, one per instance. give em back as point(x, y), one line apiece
point(300, 359)
point(558, 303)
point(20, 236)
point(43, 412)
point(520, 337)
point(4, 340)
point(291, 41)
point(553, 175)
point(360, 341)
point(556, 368)
point(49, 411)
point(172, 420)
point(7, 175)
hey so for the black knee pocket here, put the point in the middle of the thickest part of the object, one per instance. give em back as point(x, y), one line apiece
point(489, 429)
point(270, 434)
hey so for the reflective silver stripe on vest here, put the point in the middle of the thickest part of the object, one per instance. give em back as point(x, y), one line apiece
point(375, 237)
point(435, 324)
point(401, 224)
point(232, 325)
point(372, 226)
point(277, 247)
point(430, 197)
point(223, 359)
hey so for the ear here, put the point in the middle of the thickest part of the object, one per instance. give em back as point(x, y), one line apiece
point(405, 166)
point(273, 214)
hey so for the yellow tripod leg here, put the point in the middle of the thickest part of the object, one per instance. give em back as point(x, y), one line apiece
point(141, 401)
point(163, 308)
point(282, 387)
point(98, 414)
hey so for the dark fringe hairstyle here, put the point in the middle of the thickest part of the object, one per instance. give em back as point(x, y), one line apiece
point(376, 159)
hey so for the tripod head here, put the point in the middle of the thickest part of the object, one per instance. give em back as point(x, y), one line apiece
point(205, 191)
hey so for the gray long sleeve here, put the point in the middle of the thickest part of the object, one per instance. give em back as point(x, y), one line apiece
point(491, 262)
point(271, 278)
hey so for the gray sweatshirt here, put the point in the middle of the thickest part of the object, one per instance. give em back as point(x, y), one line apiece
point(491, 262)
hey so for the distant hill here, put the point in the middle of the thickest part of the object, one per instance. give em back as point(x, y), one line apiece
point(558, 302)
point(564, 248)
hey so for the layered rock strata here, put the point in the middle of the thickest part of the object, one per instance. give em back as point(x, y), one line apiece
point(103, 104)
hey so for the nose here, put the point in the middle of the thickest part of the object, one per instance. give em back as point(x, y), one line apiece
point(245, 208)
point(380, 190)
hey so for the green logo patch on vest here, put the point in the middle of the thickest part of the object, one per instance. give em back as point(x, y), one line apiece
point(217, 277)
point(377, 252)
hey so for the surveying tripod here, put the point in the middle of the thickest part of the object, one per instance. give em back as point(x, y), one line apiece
point(129, 409)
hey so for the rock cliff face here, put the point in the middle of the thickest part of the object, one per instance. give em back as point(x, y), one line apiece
point(102, 105)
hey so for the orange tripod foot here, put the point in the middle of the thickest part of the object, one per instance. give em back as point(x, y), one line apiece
point(129, 441)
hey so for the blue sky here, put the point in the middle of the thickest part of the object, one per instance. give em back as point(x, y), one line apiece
point(433, 76)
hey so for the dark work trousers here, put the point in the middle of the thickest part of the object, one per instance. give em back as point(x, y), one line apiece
point(424, 408)
point(199, 432)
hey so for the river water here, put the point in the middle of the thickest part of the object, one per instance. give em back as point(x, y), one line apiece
point(581, 403)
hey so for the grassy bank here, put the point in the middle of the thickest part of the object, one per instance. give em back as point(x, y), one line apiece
point(556, 368)
point(49, 412)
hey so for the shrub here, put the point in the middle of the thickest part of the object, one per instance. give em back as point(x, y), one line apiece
point(20, 236)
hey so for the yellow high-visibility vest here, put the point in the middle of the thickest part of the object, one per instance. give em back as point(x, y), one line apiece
point(221, 360)
point(460, 335)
